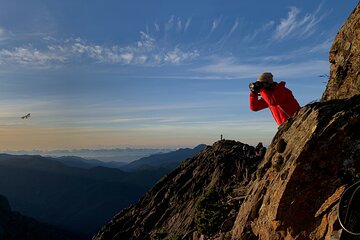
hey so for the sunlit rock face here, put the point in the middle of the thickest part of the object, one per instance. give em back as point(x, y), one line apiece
point(345, 60)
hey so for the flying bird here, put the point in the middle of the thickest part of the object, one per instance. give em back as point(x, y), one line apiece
point(26, 116)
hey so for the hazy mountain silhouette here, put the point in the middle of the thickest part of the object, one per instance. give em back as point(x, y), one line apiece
point(74, 161)
point(70, 193)
point(76, 199)
point(167, 161)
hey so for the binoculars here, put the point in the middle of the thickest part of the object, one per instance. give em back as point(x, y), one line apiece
point(256, 86)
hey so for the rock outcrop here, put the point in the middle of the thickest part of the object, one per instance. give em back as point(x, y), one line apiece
point(201, 196)
point(296, 198)
point(345, 60)
point(14, 226)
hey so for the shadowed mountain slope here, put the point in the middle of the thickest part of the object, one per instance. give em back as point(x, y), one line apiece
point(170, 207)
point(14, 226)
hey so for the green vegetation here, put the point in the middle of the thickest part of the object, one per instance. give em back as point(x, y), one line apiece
point(176, 237)
point(209, 212)
point(163, 235)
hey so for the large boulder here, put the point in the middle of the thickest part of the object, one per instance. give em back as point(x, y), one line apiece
point(345, 60)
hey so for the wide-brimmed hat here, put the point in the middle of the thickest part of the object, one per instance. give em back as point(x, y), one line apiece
point(265, 77)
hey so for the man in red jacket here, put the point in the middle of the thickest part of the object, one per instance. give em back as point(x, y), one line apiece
point(274, 96)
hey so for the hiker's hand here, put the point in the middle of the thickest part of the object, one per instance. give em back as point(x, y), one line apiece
point(254, 88)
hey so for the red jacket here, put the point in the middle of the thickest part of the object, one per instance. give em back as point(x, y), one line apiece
point(280, 100)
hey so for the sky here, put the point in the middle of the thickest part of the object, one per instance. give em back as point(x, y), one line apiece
point(161, 73)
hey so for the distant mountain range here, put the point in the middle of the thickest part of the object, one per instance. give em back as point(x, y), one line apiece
point(79, 194)
point(74, 161)
point(107, 155)
point(168, 160)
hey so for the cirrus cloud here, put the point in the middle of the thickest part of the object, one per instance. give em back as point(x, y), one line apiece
point(295, 25)
point(145, 51)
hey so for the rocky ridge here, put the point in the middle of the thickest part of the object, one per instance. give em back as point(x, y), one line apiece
point(171, 209)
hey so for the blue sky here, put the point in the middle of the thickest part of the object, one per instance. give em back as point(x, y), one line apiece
point(154, 73)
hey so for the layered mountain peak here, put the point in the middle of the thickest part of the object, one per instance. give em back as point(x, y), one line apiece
point(201, 196)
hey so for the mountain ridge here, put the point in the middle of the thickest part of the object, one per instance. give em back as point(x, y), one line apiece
point(167, 160)
point(171, 203)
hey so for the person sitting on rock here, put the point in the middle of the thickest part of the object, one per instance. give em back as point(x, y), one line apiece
point(274, 96)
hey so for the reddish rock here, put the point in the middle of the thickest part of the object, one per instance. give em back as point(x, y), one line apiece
point(298, 201)
point(345, 60)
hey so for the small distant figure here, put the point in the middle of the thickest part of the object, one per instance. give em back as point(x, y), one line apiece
point(221, 137)
point(26, 116)
point(260, 150)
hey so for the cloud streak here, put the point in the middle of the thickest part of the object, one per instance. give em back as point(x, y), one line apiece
point(187, 24)
point(257, 32)
point(229, 67)
point(215, 24)
point(295, 25)
point(145, 51)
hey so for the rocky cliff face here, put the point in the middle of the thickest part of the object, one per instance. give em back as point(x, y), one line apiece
point(14, 226)
point(305, 170)
point(345, 60)
point(291, 194)
point(202, 195)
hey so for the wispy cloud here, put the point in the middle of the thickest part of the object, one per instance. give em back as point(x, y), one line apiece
point(177, 56)
point(157, 27)
point(230, 67)
point(234, 27)
point(324, 46)
point(179, 25)
point(5, 34)
point(215, 24)
point(146, 120)
point(145, 51)
point(230, 33)
point(2, 33)
point(30, 56)
point(266, 27)
point(187, 24)
point(287, 25)
point(170, 23)
point(295, 25)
